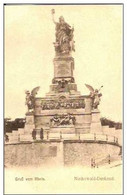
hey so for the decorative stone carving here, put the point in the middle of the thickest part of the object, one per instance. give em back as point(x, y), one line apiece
point(96, 99)
point(30, 98)
point(70, 80)
point(63, 103)
point(62, 84)
point(64, 119)
point(95, 95)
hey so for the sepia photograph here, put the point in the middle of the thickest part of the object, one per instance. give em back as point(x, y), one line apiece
point(63, 98)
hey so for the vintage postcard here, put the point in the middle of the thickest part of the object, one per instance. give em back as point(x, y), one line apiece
point(63, 79)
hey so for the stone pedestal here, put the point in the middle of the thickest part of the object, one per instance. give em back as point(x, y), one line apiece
point(68, 129)
point(95, 122)
point(38, 134)
point(29, 126)
point(63, 66)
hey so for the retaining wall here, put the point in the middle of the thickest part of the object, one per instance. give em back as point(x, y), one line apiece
point(57, 153)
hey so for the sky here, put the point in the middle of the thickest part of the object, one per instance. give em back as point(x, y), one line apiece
point(29, 34)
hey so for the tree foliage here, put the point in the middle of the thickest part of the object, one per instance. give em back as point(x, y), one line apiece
point(111, 123)
point(10, 125)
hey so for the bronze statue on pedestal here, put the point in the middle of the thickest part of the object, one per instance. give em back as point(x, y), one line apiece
point(64, 36)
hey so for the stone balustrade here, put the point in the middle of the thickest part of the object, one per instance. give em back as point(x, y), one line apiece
point(88, 137)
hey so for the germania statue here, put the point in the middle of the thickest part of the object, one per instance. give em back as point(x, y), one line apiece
point(64, 36)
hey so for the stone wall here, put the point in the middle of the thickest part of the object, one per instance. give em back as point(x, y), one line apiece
point(34, 154)
point(56, 153)
point(81, 153)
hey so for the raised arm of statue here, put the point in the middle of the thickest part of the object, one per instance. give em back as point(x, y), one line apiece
point(53, 12)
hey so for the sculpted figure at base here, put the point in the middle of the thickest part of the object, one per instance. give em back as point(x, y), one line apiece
point(64, 36)
point(95, 95)
point(55, 120)
point(30, 97)
point(64, 119)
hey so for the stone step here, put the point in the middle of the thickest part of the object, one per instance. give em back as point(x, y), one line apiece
point(15, 132)
point(13, 139)
point(21, 131)
point(9, 133)
point(26, 137)
point(63, 129)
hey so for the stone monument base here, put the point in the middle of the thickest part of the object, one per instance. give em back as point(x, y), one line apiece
point(68, 129)
point(26, 137)
point(29, 127)
point(96, 126)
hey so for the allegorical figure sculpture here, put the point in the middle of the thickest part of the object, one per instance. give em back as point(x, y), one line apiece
point(64, 36)
point(95, 95)
point(66, 119)
point(30, 97)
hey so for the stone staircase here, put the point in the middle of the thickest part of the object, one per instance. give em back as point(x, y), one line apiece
point(108, 161)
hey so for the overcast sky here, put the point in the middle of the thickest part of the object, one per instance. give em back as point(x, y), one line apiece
point(29, 53)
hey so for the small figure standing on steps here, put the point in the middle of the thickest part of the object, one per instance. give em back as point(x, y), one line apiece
point(91, 162)
point(109, 159)
point(41, 134)
point(94, 163)
point(34, 134)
